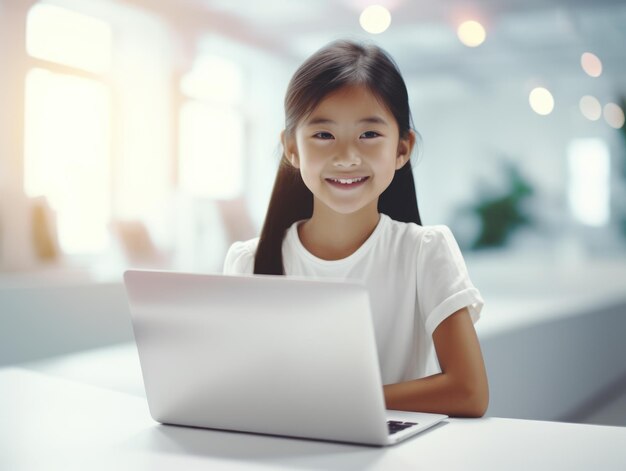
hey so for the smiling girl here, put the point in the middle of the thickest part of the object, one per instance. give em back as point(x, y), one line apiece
point(344, 206)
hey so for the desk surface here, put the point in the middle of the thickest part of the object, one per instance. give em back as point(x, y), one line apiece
point(55, 423)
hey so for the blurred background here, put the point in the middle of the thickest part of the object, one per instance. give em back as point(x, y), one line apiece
point(145, 133)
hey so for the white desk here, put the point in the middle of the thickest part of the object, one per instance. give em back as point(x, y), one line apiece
point(50, 423)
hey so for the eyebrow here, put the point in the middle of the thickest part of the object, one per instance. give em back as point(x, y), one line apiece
point(368, 119)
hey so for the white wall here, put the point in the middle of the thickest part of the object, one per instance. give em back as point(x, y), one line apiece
point(465, 136)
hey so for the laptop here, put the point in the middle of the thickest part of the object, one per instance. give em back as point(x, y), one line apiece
point(263, 354)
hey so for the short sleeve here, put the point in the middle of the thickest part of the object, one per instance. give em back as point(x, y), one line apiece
point(443, 283)
point(240, 258)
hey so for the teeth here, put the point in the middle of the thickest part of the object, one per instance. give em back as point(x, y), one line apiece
point(347, 181)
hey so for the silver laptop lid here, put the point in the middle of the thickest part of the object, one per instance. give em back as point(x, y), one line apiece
point(260, 354)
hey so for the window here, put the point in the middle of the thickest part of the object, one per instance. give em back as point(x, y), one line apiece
point(67, 155)
point(212, 130)
point(211, 150)
point(67, 123)
point(66, 37)
point(589, 176)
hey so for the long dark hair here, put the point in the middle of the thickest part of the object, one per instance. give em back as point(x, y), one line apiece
point(335, 66)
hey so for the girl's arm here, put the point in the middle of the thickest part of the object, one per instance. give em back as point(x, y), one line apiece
point(461, 388)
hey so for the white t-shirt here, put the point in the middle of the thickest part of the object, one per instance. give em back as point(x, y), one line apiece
point(416, 277)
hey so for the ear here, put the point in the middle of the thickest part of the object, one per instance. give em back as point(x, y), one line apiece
point(405, 147)
point(290, 150)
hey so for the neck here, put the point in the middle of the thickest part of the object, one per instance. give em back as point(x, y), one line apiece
point(332, 236)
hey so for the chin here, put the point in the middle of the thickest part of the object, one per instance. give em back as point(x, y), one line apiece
point(347, 209)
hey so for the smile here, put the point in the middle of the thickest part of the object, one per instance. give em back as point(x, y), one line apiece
point(347, 182)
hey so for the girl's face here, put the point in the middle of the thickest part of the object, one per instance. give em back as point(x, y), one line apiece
point(348, 150)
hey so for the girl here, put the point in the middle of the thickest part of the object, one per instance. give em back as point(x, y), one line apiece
point(344, 206)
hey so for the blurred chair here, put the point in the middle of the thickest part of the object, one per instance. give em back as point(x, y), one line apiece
point(137, 245)
point(236, 218)
point(28, 233)
point(44, 231)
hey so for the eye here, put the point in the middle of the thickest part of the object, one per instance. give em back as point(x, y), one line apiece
point(370, 134)
point(323, 135)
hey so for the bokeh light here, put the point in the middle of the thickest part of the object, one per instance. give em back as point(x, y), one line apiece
point(471, 33)
point(541, 101)
point(590, 107)
point(375, 19)
point(614, 115)
point(591, 64)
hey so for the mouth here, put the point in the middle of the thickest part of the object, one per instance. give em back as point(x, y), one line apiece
point(347, 182)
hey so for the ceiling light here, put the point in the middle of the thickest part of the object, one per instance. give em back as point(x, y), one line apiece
point(471, 33)
point(614, 115)
point(591, 64)
point(375, 19)
point(541, 101)
point(590, 107)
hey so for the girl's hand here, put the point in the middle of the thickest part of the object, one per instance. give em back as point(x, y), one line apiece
point(461, 389)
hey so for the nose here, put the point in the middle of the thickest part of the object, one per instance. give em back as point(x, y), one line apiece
point(347, 157)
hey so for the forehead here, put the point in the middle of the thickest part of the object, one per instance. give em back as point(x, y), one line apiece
point(351, 103)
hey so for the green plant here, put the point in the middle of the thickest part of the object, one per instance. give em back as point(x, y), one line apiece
point(501, 215)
